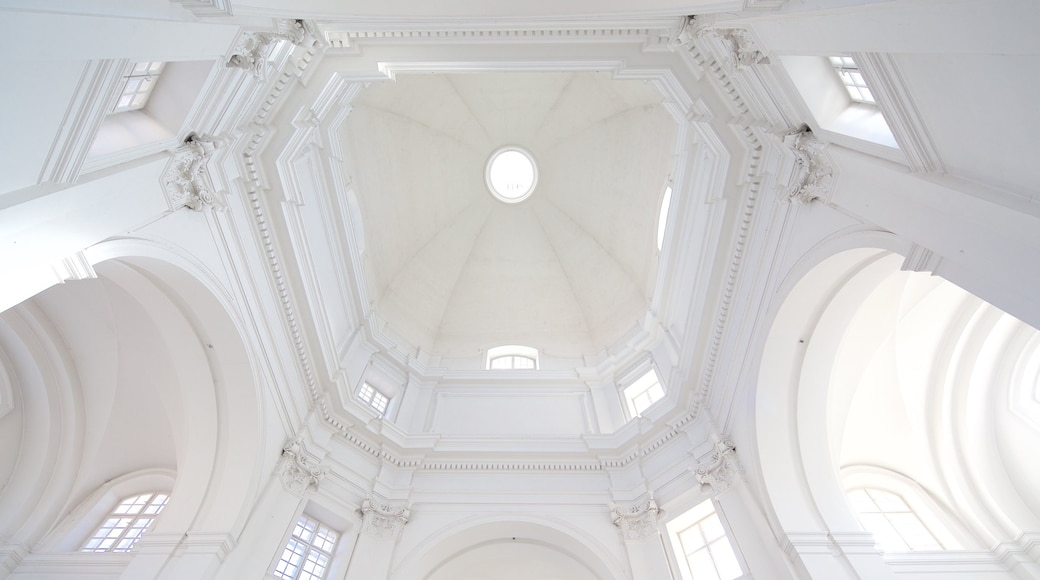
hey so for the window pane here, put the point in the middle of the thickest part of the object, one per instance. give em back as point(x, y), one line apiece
point(702, 566)
point(725, 559)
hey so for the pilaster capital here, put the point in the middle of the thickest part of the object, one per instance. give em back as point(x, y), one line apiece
point(721, 468)
point(300, 471)
point(636, 521)
point(382, 519)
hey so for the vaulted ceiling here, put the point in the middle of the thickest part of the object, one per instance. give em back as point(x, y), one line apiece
point(453, 269)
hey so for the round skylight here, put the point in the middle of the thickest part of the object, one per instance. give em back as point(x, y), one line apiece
point(511, 174)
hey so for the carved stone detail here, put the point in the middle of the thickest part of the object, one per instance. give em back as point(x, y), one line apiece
point(300, 471)
point(254, 48)
point(185, 179)
point(741, 49)
point(382, 519)
point(203, 8)
point(721, 469)
point(637, 521)
point(813, 172)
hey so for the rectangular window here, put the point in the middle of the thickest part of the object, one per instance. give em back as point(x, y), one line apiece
point(138, 85)
point(702, 546)
point(378, 401)
point(308, 551)
point(852, 78)
point(643, 392)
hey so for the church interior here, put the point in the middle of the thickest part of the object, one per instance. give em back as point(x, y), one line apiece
point(574, 290)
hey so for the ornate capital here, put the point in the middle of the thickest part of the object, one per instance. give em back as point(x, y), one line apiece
point(813, 172)
point(300, 471)
point(740, 49)
point(636, 521)
point(382, 519)
point(721, 469)
point(254, 48)
point(185, 179)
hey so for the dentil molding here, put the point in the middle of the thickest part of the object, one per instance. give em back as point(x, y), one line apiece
point(300, 471)
point(637, 521)
point(382, 519)
point(721, 468)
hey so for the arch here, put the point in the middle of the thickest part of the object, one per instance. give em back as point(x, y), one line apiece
point(865, 363)
point(488, 534)
point(224, 451)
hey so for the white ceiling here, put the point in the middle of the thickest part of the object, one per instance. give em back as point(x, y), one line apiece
point(455, 271)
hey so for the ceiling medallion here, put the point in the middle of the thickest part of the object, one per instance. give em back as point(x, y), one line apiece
point(511, 174)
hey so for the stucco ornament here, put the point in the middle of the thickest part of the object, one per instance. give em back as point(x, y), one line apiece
point(637, 521)
point(300, 471)
point(741, 50)
point(254, 48)
point(813, 172)
point(185, 179)
point(382, 519)
point(721, 468)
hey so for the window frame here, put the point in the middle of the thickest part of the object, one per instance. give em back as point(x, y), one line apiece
point(691, 517)
point(850, 75)
point(155, 501)
point(369, 394)
point(630, 394)
point(512, 351)
point(329, 553)
point(149, 77)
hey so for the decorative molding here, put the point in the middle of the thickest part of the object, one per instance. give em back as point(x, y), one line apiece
point(253, 49)
point(74, 267)
point(741, 49)
point(637, 521)
point(813, 172)
point(920, 259)
point(576, 33)
point(185, 179)
point(299, 470)
point(895, 100)
point(95, 95)
point(721, 469)
point(381, 519)
point(203, 8)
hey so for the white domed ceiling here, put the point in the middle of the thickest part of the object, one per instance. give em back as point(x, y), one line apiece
point(454, 270)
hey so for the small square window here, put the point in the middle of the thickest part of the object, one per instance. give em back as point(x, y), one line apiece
point(375, 399)
point(643, 392)
point(137, 86)
point(850, 75)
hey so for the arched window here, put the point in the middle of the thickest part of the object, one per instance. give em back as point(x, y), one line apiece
point(895, 525)
point(512, 357)
point(126, 523)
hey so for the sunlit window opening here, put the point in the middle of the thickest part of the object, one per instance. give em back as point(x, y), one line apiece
point(895, 526)
point(511, 174)
point(378, 401)
point(127, 523)
point(138, 85)
point(512, 361)
point(512, 357)
point(308, 552)
point(851, 76)
point(643, 392)
point(662, 221)
point(702, 545)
